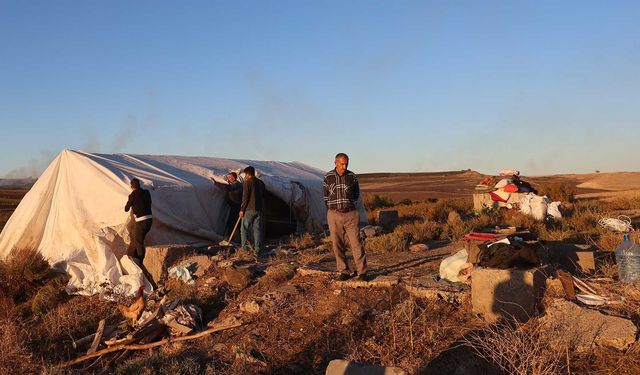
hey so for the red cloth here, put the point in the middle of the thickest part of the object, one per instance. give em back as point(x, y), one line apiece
point(511, 188)
point(496, 198)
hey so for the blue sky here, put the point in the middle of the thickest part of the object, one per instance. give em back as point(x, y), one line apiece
point(540, 86)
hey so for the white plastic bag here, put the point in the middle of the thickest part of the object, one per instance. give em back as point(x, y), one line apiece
point(554, 210)
point(451, 266)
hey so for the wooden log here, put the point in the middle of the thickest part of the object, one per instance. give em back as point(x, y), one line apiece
point(97, 338)
point(79, 343)
point(153, 344)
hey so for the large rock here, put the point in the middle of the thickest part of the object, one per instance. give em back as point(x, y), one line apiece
point(387, 217)
point(342, 367)
point(418, 247)
point(508, 294)
point(158, 259)
point(582, 328)
point(238, 277)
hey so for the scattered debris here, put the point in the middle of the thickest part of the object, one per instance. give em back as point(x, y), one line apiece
point(371, 231)
point(183, 272)
point(380, 281)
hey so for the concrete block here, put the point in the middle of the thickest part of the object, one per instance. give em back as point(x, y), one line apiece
point(386, 217)
point(509, 294)
point(583, 328)
point(158, 259)
point(574, 258)
point(343, 367)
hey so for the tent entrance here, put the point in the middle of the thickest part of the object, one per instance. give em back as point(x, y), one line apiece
point(279, 219)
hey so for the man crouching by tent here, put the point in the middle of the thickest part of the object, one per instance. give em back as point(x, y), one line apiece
point(140, 203)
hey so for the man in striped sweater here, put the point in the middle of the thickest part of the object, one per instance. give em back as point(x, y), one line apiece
point(341, 193)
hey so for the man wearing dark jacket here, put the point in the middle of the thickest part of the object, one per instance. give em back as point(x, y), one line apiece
point(341, 193)
point(233, 189)
point(140, 203)
point(251, 210)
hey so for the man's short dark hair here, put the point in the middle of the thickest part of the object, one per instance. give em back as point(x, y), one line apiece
point(234, 174)
point(342, 155)
point(251, 171)
point(135, 183)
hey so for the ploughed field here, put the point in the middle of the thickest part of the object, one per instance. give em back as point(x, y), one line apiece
point(456, 184)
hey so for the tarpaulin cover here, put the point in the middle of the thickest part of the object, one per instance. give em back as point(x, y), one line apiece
point(74, 213)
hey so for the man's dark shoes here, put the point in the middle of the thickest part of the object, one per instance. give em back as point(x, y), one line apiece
point(364, 277)
point(343, 277)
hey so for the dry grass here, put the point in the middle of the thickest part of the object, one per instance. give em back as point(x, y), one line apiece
point(303, 241)
point(15, 356)
point(519, 349)
point(388, 243)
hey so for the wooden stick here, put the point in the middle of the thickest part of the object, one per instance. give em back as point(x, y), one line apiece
point(79, 343)
point(151, 345)
point(97, 338)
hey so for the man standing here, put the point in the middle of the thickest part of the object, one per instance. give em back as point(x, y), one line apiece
point(341, 193)
point(251, 210)
point(233, 190)
point(140, 203)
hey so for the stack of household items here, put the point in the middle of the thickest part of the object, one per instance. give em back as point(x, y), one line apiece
point(510, 191)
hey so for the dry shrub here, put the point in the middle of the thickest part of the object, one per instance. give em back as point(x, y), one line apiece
point(15, 357)
point(407, 334)
point(159, 363)
point(315, 254)
point(518, 349)
point(388, 243)
point(49, 295)
point(414, 211)
point(374, 201)
point(562, 192)
point(303, 241)
point(516, 218)
point(420, 231)
point(23, 273)
point(624, 203)
point(440, 211)
point(582, 220)
point(608, 240)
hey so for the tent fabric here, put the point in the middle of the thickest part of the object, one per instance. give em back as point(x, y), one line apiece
point(75, 210)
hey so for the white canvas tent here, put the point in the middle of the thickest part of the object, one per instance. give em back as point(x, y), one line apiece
point(74, 214)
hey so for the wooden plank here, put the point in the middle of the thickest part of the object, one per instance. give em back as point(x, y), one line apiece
point(97, 338)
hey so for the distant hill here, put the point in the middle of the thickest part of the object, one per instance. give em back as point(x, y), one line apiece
point(17, 183)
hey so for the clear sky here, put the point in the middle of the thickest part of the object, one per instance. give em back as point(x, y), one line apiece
point(540, 86)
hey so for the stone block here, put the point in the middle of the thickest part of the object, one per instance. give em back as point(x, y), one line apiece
point(238, 277)
point(574, 258)
point(386, 217)
point(583, 328)
point(343, 367)
point(509, 294)
point(158, 259)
